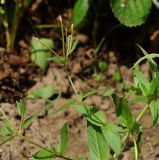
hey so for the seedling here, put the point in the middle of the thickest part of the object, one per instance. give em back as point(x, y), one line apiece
point(103, 135)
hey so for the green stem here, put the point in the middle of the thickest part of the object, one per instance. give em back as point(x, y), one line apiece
point(40, 146)
point(73, 86)
point(41, 26)
point(41, 42)
point(136, 149)
point(5, 116)
point(142, 112)
point(6, 140)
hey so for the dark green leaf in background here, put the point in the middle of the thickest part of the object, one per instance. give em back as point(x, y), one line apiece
point(80, 11)
point(39, 52)
point(131, 12)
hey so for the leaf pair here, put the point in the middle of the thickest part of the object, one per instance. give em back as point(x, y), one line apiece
point(100, 133)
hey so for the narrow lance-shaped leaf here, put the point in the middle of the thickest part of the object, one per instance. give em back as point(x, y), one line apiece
point(149, 56)
point(111, 135)
point(142, 81)
point(105, 91)
point(153, 85)
point(123, 111)
point(64, 138)
point(64, 106)
point(98, 146)
point(21, 107)
point(154, 107)
point(26, 122)
point(44, 155)
point(5, 130)
point(153, 65)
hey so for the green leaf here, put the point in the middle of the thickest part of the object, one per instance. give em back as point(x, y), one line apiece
point(142, 81)
point(153, 65)
point(6, 128)
point(108, 93)
point(102, 65)
point(4, 131)
point(154, 107)
point(44, 92)
point(131, 12)
point(98, 146)
point(117, 76)
point(28, 121)
point(93, 115)
point(57, 59)
point(123, 111)
point(64, 138)
point(153, 85)
point(80, 11)
point(94, 91)
point(65, 105)
point(39, 51)
point(48, 105)
point(21, 107)
point(111, 135)
point(43, 155)
point(148, 56)
point(74, 45)
point(138, 99)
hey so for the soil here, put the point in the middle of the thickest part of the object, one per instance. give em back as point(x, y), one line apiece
point(19, 76)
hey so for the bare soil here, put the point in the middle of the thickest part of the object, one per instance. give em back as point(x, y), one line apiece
point(18, 76)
